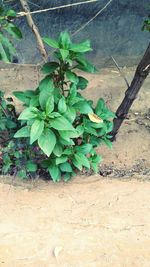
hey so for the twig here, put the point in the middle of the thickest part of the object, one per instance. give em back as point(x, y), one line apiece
point(33, 4)
point(121, 72)
point(88, 22)
point(34, 30)
point(21, 14)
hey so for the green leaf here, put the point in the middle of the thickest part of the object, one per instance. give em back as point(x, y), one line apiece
point(36, 130)
point(22, 174)
point(81, 60)
point(102, 131)
point(72, 99)
point(47, 141)
point(97, 125)
point(54, 115)
point(46, 90)
point(3, 54)
point(107, 142)
point(11, 13)
point(100, 106)
point(55, 173)
point(62, 107)
point(66, 143)
point(11, 124)
point(23, 132)
point(57, 95)
point(64, 53)
point(110, 126)
point(96, 158)
point(6, 165)
point(61, 159)
point(8, 47)
point(17, 154)
point(67, 177)
point(50, 105)
point(3, 104)
point(107, 114)
point(46, 83)
point(82, 159)
point(73, 90)
point(61, 124)
point(71, 76)
point(70, 114)
point(80, 129)
point(84, 149)
point(14, 31)
point(49, 67)
point(65, 167)
point(88, 68)
point(77, 164)
point(83, 107)
point(88, 129)
point(58, 149)
point(34, 102)
point(30, 93)
point(29, 113)
point(64, 40)
point(82, 83)
point(20, 95)
point(51, 42)
point(95, 161)
point(95, 167)
point(81, 48)
point(66, 135)
point(85, 65)
point(68, 151)
point(31, 166)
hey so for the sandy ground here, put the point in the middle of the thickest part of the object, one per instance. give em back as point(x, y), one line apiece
point(88, 222)
point(92, 221)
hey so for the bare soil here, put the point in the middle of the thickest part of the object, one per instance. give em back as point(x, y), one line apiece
point(93, 221)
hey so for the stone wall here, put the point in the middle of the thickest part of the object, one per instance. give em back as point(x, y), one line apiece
point(116, 32)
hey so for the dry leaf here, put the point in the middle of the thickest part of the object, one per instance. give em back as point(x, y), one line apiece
point(57, 251)
point(94, 118)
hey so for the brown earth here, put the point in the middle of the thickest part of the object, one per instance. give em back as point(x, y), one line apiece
point(92, 221)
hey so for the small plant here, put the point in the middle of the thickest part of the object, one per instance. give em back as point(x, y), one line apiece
point(8, 33)
point(59, 129)
point(65, 125)
point(146, 25)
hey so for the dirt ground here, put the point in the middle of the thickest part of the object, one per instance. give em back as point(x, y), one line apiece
point(93, 221)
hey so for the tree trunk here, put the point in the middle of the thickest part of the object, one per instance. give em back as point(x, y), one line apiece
point(141, 73)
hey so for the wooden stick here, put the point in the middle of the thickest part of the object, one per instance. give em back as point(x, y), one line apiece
point(121, 72)
point(34, 30)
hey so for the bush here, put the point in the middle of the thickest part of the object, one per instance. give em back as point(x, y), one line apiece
point(59, 129)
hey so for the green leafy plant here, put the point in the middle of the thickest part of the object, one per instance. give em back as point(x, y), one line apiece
point(8, 33)
point(146, 25)
point(58, 122)
point(13, 155)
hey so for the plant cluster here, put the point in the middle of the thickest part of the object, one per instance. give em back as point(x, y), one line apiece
point(9, 33)
point(58, 130)
point(146, 25)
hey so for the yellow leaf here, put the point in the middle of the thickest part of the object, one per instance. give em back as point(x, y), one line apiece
point(94, 118)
